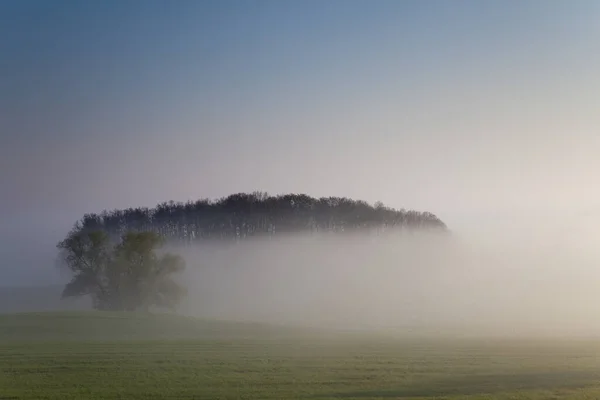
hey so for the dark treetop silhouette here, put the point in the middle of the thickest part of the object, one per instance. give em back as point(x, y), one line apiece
point(113, 256)
point(243, 215)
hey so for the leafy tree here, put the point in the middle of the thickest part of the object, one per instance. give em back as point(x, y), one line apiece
point(128, 275)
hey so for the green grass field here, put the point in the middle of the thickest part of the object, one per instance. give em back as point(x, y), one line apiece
point(118, 356)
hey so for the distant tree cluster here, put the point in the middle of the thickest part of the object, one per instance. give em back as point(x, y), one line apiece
point(113, 255)
point(123, 276)
point(243, 215)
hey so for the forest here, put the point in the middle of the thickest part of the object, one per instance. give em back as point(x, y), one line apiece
point(244, 215)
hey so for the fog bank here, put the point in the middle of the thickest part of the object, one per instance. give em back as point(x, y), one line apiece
point(508, 282)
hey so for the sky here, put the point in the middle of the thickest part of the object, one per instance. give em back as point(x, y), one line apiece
point(482, 112)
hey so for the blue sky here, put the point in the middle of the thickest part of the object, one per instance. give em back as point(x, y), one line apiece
point(468, 109)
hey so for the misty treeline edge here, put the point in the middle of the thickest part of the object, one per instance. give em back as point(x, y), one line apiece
point(244, 215)
point(125, 275)
point(112, 255)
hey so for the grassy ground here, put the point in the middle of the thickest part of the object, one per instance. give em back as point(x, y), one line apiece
point(110, 356)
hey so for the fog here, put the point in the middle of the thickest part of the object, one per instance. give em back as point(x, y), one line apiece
point(517, 280)
point(506, 276)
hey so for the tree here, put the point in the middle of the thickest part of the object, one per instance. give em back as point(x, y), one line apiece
point(128, 275)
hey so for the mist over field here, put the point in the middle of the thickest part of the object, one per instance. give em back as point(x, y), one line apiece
point(522, 281)
point(299, 199)
point(536, 276)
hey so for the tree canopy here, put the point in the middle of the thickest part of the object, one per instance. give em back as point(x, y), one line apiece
point(244, 215)
point(113, 255)
point(126, 275)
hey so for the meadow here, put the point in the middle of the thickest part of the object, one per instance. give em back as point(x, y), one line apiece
point(119, 356)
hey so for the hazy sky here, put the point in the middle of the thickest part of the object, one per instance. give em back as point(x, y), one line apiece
point(474, 110)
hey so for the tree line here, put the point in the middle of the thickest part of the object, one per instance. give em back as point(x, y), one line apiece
point(244, 215)
point(114, 256)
